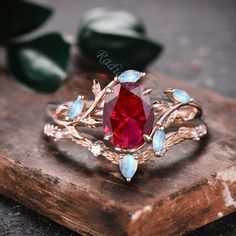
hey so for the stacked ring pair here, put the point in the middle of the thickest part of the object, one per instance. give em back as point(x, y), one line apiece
point(136, 127)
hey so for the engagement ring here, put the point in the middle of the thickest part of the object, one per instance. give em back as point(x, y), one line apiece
point(134, 126)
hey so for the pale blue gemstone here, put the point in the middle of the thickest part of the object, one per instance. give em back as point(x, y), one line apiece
point(76, 108)
point(130, 76)
point(181, 96)
point(128, 166)
point(159, 141)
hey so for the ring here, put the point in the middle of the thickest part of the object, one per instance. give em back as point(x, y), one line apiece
point(124, 124)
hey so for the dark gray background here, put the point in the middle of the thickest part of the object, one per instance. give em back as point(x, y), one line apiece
point(200, 41)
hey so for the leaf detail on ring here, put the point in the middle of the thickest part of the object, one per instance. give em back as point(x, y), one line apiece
point(96, 88)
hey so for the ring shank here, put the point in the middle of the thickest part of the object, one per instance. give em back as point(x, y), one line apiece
point(181, 122)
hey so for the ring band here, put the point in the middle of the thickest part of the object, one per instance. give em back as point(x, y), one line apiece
point(135, 126)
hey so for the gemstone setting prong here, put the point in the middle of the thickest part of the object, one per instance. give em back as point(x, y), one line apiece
point(109, 90)
point(147, 138)
point(108, 136)
point(147, 91)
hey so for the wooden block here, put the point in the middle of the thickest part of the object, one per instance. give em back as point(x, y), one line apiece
point(190, 186)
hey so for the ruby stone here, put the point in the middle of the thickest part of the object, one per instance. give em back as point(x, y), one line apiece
point(128, 115)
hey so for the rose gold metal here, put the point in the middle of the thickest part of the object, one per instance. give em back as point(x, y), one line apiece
point(167, 115)
point(147, 91)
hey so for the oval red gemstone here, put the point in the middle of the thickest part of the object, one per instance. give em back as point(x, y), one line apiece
point(128, 115)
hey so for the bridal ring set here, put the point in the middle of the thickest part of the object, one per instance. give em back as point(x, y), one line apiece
point(134, 127)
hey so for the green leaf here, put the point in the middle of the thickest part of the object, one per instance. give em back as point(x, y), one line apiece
point(19, 17)
point(111, 19)
point(124, 41)
point(41, 63)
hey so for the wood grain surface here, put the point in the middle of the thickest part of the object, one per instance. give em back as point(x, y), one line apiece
point(190, 186)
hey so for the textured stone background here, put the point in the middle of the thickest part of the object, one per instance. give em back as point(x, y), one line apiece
point(200, 41)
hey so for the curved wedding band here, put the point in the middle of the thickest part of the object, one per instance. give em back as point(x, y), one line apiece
point(135, 126)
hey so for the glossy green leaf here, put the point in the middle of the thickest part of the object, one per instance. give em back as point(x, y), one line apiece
point(18, 17)
point(41, 63)
point(112, 19)
point(118, 33)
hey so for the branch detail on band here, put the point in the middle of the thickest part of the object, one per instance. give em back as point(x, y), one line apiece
point(135, 126)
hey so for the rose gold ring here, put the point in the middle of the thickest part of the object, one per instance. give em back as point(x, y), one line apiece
point(135, 127)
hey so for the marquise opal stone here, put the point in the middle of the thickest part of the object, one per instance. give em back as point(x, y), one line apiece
point(131, 76)
point(128, 166)
point(158, 142)
point(76, 108)
point(181, 96)
point(128, 115)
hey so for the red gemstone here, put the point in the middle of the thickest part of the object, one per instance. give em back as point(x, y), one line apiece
point(128, 115)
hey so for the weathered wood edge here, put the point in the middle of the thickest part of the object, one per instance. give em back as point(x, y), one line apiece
point(200, 204)
point(211, 199)
point(59, 204)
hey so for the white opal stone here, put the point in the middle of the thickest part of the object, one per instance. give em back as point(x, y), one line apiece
point(128, 166)
point(96, 150)
point(58, 135)
point(76, 108)
point(181, 96)
point(131, 76)
point(158, 142)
